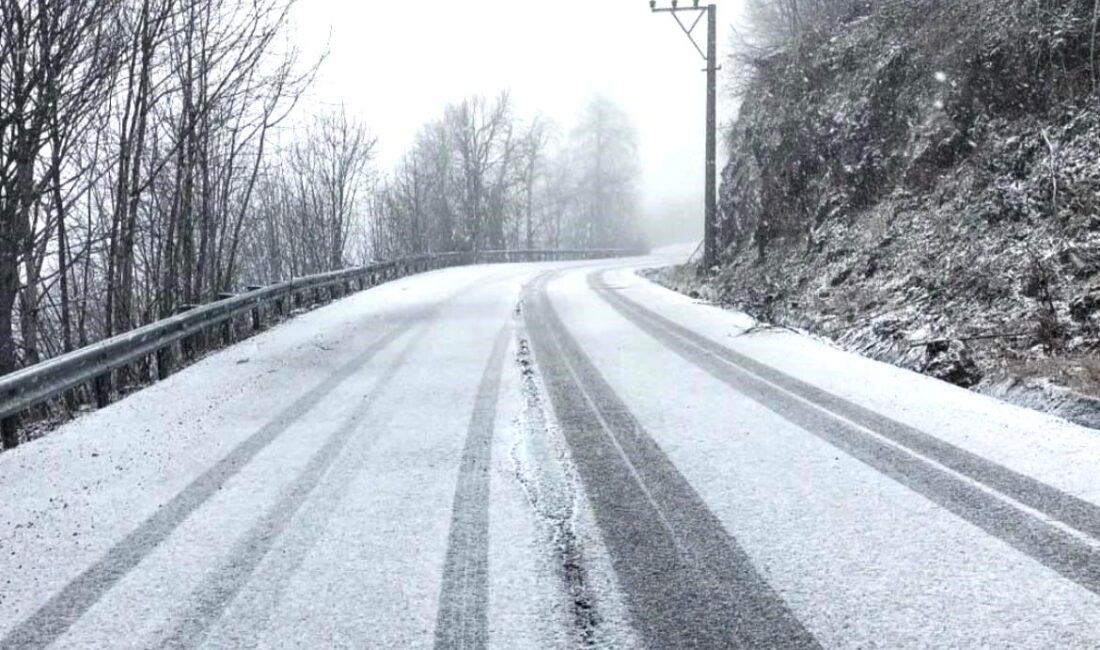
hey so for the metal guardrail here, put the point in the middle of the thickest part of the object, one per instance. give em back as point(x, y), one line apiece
point(28, 387)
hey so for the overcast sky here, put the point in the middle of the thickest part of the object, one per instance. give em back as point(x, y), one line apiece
point(396, 63)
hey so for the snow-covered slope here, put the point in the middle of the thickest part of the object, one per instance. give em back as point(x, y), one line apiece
point(919, 181)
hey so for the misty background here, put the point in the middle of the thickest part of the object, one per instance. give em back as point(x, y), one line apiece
point(395, 66)
point(159, 154)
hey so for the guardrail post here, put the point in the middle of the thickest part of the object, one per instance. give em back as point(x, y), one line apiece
point(187, 343)
point(101, 386)
point(257, 316)
point(164, 362)
point(227, 324)
point(9, 433)
point(227, 332)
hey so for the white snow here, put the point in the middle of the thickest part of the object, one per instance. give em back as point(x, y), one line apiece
point(862, 560)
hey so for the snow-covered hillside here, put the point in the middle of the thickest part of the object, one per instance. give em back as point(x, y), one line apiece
point(920, 181)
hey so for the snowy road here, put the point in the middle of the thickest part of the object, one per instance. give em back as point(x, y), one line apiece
point(549, 456)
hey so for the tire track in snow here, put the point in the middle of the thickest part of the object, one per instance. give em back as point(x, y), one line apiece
point(53, 618)
point(462, 620)
point(210, 599)
point(549, 484)
point(1057, 529)
point(687, 582)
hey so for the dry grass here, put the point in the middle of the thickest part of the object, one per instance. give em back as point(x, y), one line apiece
point(1077, 372)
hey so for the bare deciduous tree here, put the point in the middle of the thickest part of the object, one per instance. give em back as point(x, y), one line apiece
point(482, 178)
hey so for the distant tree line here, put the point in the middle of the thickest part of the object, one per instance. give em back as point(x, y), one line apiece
point(139, 166)
point(148, 164)
point(480, 177)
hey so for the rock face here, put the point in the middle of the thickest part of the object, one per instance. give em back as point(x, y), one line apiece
point(951, 361)
point(926, 171)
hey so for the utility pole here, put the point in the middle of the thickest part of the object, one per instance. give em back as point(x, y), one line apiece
point(710, 223)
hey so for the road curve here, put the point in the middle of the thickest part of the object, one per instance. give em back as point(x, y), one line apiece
point(549, 456)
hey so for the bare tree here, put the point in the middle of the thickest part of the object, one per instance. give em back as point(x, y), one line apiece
point(482, 178)
point(481, 134)
point(133, 134)
point(779, 23)
point(605, 151)
point(532, 153)
point(311, 201)
point(55, 62)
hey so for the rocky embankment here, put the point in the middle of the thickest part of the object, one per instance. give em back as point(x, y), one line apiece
point(920, 182)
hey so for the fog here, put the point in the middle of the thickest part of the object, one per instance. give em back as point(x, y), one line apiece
point(395, 65)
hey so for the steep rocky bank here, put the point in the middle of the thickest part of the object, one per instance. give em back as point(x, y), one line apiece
point(920, 181)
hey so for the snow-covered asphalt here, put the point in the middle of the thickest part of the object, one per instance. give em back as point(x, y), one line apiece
point(549, 456)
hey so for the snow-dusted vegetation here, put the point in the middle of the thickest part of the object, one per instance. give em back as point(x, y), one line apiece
point(919, 180)
point(484, 177)
point(156, 155)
